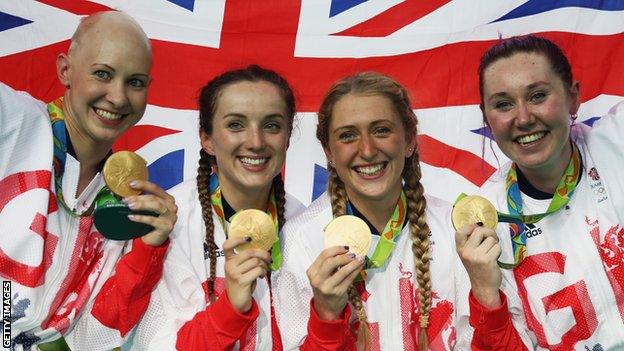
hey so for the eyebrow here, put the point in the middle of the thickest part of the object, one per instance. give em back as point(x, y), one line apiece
point(528, 87)
point(373, 123)
point(113, 70)
point(240, 115)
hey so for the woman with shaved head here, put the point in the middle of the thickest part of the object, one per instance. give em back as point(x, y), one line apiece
point(54, 261)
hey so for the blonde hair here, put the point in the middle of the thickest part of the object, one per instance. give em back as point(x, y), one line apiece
point(371, 83)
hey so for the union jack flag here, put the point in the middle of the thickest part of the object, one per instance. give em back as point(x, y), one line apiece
point(432, 47)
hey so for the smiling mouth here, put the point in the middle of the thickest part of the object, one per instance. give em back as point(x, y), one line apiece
point(253, 161)
point(531, 138)
point(371, 170)
point(107, 115)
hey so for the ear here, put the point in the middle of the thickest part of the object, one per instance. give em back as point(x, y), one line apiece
point(410, 148)
point(63, 69)
point(206, 142)
point(575, 97)
point(328, 155)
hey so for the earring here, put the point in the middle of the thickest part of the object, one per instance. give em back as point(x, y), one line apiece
point(573, 117)
point(331, 163)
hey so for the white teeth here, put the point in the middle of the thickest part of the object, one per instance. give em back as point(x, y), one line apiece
point(108, 115)
point(254, 161)
point(370, 170)
point(530, 138)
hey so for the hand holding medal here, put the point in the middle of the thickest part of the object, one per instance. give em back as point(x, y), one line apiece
point(251, 234)
point(122, 213)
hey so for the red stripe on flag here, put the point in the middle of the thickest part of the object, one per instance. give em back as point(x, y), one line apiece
point(78, 7)
point(393, 19)
point(438, 154)
point(442, 76)
point(137, 136)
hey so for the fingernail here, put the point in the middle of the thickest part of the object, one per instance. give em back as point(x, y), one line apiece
point(134, 183)
point(351, 255)
point(346, 247)
point(248, 239)
point(480, 224)
point(132, 217)
point(132, 204)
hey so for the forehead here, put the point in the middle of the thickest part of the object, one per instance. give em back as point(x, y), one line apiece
point(520, 69)
point(357, 109)
point(118, 47)
point(250, 98)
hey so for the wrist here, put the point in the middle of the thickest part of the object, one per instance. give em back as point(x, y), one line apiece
point(487, 297)
point(325, 313)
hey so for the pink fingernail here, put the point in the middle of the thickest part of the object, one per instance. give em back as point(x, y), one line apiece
point(134, 183)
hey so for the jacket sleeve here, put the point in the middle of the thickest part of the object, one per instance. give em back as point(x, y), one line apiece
point(493, 328)
point(218, 327)
point(328, 335)
point(125, 296)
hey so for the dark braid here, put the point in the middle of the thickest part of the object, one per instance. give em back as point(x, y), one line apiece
point(203, 181)
point(280, 200)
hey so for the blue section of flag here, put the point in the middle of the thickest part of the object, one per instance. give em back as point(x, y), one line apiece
point(168, 170)
point(485, 131)
point(9, 21)
point(340, 6)
point(319, 185)
point(590, 121)
point(187, 4)
point(533, 7)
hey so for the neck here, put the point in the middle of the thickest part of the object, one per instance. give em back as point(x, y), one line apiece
point(89, 154)
point(243, 199)
point(548, 177)
point(377, 211)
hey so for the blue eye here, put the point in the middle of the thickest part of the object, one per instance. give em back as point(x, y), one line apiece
point(137, 83)
point(235, 126)
point(347, 137)
point(103, 75)
point(273, 127)
point(503, 106)
point(538, 97)
point(381, 131)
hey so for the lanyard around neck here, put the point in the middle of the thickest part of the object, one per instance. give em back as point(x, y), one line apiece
point(216, 198)
point(59, 137)
point(567, 184)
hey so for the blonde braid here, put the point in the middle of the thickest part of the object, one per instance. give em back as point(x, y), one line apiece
point(203, 181)
point(338, 196)
point(419, 230)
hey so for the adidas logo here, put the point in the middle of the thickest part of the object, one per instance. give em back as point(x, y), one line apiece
point(531, 230)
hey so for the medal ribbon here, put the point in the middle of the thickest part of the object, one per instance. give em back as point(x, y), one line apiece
point(390, 234)
point(217, 204)
point(565, 189)
point(59, 137)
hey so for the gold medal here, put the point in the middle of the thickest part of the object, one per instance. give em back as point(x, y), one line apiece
point(255, 224)
point(472, 209)
point(121, 168)
point(349, 231)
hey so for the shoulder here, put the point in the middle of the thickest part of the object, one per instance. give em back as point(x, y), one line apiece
point(17, 107)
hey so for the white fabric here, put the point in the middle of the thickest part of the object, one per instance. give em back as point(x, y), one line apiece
point(180, 295)
point(393, 298)
point(80, 259)
point(564, 250)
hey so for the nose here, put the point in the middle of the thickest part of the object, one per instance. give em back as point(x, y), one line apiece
point(524, 117)
point(255, 139)
point(367, 147)
point(117, 94)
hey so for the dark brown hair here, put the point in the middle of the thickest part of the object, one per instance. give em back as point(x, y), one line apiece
point(208, 101)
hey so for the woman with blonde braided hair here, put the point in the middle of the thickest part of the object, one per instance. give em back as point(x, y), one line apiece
point(403, 299)
point(212, 297)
